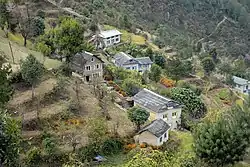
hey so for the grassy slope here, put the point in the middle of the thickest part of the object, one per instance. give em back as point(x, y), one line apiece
point(21, 52)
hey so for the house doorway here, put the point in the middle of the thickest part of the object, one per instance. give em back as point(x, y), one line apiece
point(87, 78)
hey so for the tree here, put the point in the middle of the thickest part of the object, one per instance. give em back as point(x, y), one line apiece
point(9, 140)
point(4, 13)
point(160, 60)
point(155, 73)
point(138, 116)
point(193, 103)
point(69, 38)
point(32, 71)
point(131, 86)
point(175, 68)
point(208, 65)
point(38, 26)
point(225, 141)
point(6, 90)
point(44, 49)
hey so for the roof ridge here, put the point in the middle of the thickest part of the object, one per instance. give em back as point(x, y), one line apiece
point(147, 90)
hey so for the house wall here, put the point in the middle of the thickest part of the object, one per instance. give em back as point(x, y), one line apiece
point(170, 117)
point(242, 88)
point(112, 40)
point(143, 68)
point(167, 116)
point(131, 67)
point(147, 137)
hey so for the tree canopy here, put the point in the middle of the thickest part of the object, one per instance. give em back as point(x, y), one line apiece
point(155, 73)
point(6, 90)
point(138, 116)
point(225, 141)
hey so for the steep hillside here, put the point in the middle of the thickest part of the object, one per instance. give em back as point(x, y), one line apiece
point(225, 23)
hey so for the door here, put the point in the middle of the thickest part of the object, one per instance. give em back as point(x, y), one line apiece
point(87, 78)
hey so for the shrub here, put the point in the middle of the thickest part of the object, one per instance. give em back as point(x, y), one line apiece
point(130, 147)
point(33, 156)
point(224, 94)
point(16, 77)
point(111, 146)
point(88, 152)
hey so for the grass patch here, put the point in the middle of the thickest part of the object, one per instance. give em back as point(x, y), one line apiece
point(126, 36)
point(19, 39)
point(186, 141)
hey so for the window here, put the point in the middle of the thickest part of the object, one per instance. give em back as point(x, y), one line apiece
point(96, 75)
point(160, 139)
point(108, 42)
point(97, 66)
point(88, 68)
point(174, 114)
point(112, 40)
point(165, 116)
point(165, 135)
point(128, 68)
point(117, 39)
point(92, 59)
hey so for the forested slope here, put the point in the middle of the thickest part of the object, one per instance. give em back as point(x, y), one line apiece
point(178, 22)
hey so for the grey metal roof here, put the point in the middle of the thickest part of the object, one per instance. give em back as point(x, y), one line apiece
point(240, 81)
point(131, 61)
point(154, 102)
point(144, 60)
point(109, 33)
point(157, 127)
point(121, 58)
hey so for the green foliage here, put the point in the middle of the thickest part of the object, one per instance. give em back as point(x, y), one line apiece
point(155, 73)
point(88, 152)
point(208, 65)
point(138, 116)
point(225, 141)
point(49, 144)
point(6, 90)
point(195, 89)
point(32, 70)
point(38, 26)
point(67, 38)
point(193, 104)
point(175, 68)
point(111, 146)
point(97, 130)
point(43, 48)
point(150, 159)
point(33, 156)
point(10, 138)
point(131, 86)
point(4, 14)
point(160, 60)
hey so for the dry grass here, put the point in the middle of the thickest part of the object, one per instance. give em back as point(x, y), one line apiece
point(24, 97)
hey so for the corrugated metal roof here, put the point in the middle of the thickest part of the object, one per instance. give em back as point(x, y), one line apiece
point(157, 127)
point(154, 101)
point(121, 58)
point(240, 81)
point(109, 33)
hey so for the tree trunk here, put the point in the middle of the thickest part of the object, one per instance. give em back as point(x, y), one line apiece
point(138, 127)
point(12, 55)
point(25, 41)
point(33, 91)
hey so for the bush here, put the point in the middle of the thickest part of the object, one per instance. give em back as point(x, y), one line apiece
point(33, 156)
point(88, 152)
point(195, 89)
point(111, 146)
point(16, 77)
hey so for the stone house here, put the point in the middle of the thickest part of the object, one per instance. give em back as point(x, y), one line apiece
point(126, 61)
point(159, 107)
point(109, 38)
point(90, 66)
point(241, 85)
point(156, 133)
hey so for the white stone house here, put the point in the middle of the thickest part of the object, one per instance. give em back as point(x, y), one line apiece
point(126, 61)
point(110, 38)
point(156, 133)
point(241, 85)
point(159, 107)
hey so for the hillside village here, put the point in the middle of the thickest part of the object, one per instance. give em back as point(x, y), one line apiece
point(74, 94)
